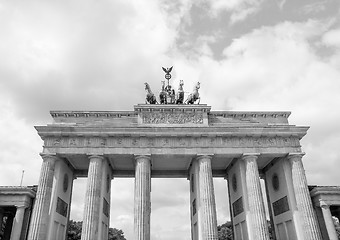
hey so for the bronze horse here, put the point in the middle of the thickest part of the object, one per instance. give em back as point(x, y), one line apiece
point(150, 97)
point(180, 93)
point(163, 94)
point(194, 95)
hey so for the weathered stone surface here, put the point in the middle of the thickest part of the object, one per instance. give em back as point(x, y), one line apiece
point(39, 224)
point(206, 197)
point(90, 229)
point(303, 200)
point(142, 207)
point(258, 223)
point(17, 223)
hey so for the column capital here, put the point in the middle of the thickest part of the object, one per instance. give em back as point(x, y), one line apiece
point(250, 156)
point(142, 156)
point(204, 156)
point(293, 157)
point(323, 204)
point(98, 156)
point(21, 206)
point(49, 156)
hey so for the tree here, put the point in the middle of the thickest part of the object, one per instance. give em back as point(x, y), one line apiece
point(74, 232)
point(116, 234)
point(225, 231)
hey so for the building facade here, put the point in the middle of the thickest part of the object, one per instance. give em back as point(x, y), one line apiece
point(15, 211)
point(175, 141)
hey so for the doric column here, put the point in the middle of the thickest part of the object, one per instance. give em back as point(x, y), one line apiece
point(303, 200)
point(327, 216)
point(90, 227)
point(142, 209)
point(259, 228)
point(39, 223)
point(206, 199)
point(17, 223)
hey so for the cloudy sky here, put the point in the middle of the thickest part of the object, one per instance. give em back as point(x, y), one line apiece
point(96, 55)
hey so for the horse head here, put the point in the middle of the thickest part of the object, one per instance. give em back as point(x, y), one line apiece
point(180, 86)
point(198, 85)
point(163, 85)
point(147, 87)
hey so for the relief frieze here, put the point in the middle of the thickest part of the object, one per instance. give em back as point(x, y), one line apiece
point(172, 118)
point(171, 141)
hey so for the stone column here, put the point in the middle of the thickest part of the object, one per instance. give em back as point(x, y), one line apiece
point(142, 209)
point(17, 223)
point(327, 216)
point(39, 223)
point(303, 200)
point(91, 223)
point(259, 228)
point(206, 199)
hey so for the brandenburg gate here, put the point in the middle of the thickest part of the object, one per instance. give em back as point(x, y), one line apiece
point(175, 141)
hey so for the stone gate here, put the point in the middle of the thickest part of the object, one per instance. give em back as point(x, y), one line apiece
point(175, 141)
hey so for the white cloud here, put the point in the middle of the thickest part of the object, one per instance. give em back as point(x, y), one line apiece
point(314, 7)
point(281, 3)
point(72, 51)
point(20, 147)
point(239, 9)
point(332, 38)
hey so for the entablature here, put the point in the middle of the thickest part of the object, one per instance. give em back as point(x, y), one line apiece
point(159, 115)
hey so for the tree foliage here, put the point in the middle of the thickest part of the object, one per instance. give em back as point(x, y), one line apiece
point(74, 232)
point(116, 234)
point(225, 231)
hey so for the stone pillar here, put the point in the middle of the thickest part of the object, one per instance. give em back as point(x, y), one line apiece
point(259, 229)
point(327, 216)
point(18, 222)
point(39, 221)
point(206, 198)
point(142, 209)
point(303, 200)
point(91, 215)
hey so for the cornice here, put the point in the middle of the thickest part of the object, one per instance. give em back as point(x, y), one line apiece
point(96, 114)
point(251, 114)
point(325, 190)
point(172, 108)
point(17, 190)
point(259, 131)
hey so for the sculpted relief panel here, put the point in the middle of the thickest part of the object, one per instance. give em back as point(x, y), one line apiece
point(173, 142)
point(172, 118)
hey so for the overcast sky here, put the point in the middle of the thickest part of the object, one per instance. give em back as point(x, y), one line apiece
point(96, 55)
